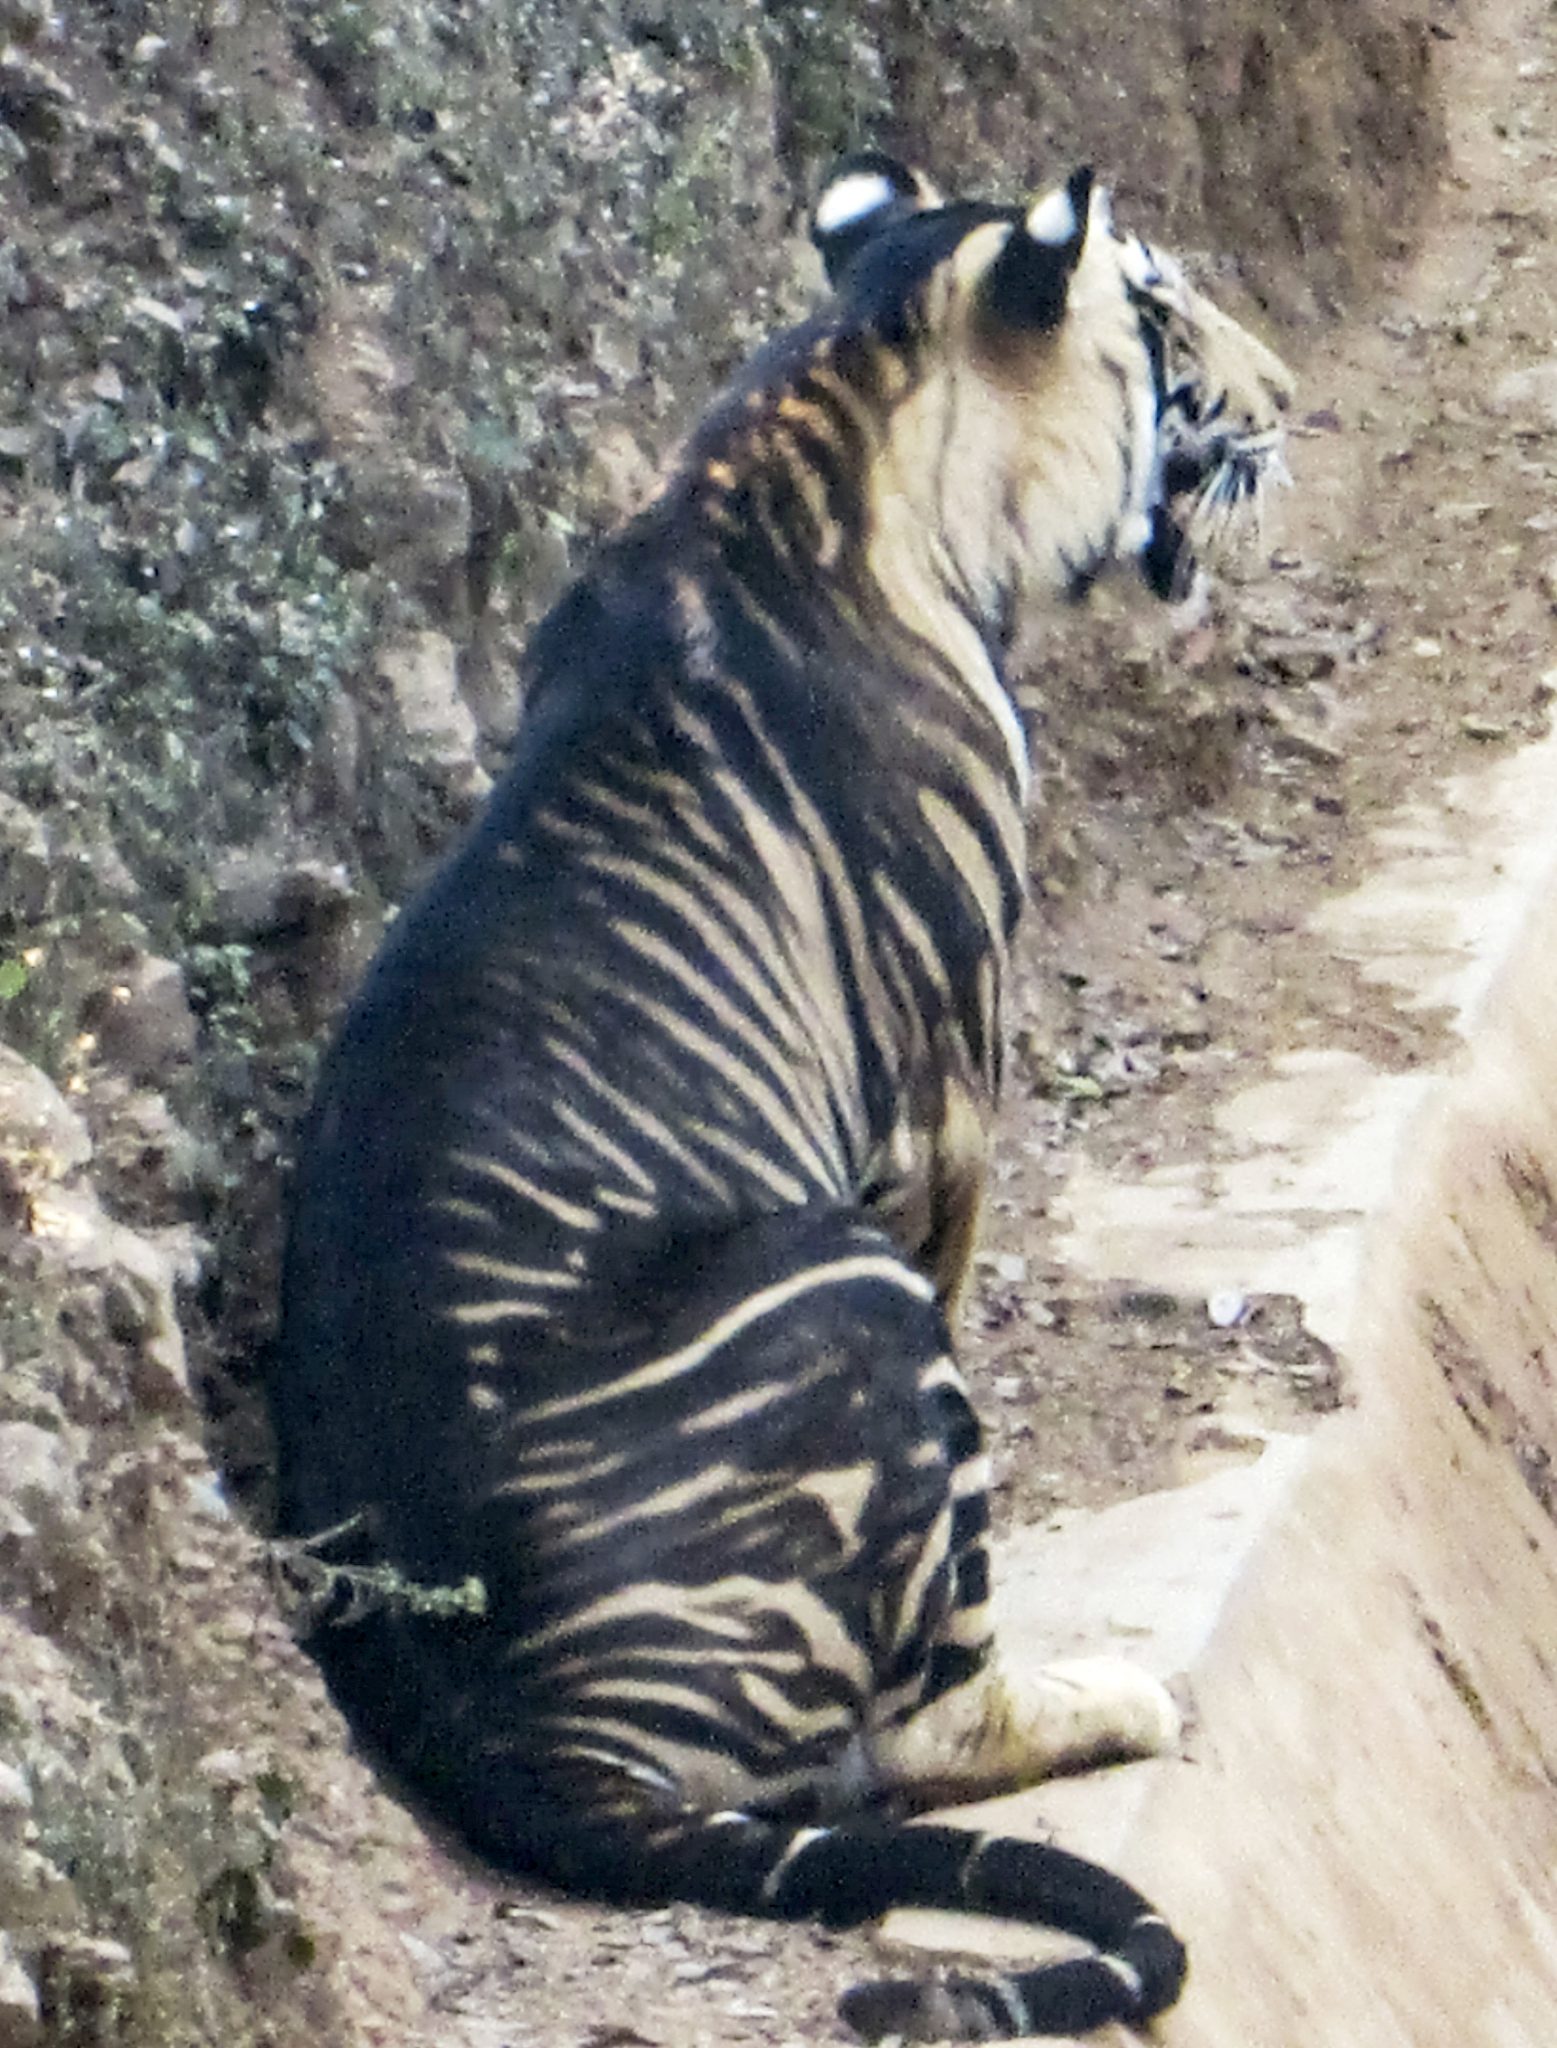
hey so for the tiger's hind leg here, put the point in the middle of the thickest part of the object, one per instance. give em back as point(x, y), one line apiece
point(987, 1722)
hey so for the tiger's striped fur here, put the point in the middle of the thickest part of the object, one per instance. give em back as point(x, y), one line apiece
point(642, 1183)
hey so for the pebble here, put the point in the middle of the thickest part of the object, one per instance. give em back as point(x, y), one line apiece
point(1529, 394)
point(1226, 1308)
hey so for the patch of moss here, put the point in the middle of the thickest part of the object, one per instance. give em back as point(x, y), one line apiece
point(833, 88)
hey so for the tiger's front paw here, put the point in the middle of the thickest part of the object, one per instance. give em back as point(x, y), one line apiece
point(1102, 1710)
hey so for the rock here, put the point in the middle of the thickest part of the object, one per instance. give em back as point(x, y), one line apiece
point(142, 1020)
point(1528, 396)
point(621, 472)
point(137, 1273)
point(337, 757)
point(103, 867)
point(37, 1483)
point(398, 516)
point(422, 677)
point(33, 1893)
point(270, 892)
point(86, 1982)
point(16, 1821)
point(1296, 736)
point(227, 1770)
point(42, 1139)
point(21, 2024)
point(24, 861)
point(1227, 1308)
point(1475, 726)
point(147, 1164)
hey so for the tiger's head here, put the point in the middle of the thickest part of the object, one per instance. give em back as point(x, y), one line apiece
point(1060, 396)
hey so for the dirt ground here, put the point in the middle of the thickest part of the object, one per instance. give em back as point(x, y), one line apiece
point(1202, 798)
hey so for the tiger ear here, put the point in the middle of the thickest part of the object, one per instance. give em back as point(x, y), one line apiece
point(1028, 281)
point(862, 194)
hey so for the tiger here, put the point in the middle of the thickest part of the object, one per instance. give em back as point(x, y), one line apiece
point(639, 1193)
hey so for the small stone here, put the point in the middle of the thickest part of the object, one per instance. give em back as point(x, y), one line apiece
point(155, 313)
point(1227, 1308)
point(1426, 649)
point(1476, 727)
point(1293, 736)
point(37, 1479)
point(1529, 395)
point(1466, 511)
point(15, 1794)
point(511, 1912)
point(207, 1498)
point(229, 1770)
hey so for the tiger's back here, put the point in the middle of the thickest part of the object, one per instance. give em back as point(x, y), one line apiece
point(646, 1170)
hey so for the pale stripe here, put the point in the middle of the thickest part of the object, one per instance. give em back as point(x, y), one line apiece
point(477, 1315)
point(607, 1147)
point(570, 1213)
point(715, 1058)
point(643, 1120)
point(912, 928)
point(670, 1500)
point(484, 1267)
point(765, 1302)
point(778, 1062)
point(969, 858)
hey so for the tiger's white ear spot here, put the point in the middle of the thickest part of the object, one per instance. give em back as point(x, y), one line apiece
point(1052, 219)
point(855, 195)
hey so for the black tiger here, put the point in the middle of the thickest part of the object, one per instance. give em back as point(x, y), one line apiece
point(642, 1183)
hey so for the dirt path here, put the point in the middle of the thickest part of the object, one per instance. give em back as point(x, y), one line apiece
point(1201, 805)
point(1406, 637)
